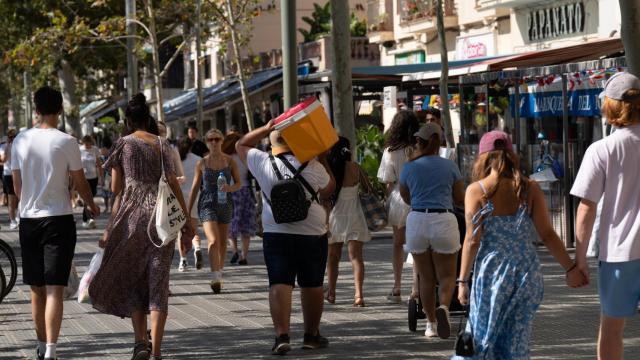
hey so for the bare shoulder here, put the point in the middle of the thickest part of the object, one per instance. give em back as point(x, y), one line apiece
point(474, 190)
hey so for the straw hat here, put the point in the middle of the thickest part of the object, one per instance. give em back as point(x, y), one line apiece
point(278, 145)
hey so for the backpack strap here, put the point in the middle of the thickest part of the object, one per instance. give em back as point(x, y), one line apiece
point(297, 174)
point(275, 167)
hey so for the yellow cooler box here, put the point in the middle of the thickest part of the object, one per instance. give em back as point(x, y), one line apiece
point(307, 129)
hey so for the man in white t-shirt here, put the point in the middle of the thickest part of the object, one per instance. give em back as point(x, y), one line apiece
point(43, 160)
point(291, 250)
point(610, 171)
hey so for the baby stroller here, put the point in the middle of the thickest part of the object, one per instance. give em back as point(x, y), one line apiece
point(414, 305)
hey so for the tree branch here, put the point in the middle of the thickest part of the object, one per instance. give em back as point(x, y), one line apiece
point(172, 59)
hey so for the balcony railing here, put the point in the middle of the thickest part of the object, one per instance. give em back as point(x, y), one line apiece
point(489, 4)
point(419, 10)
point(380, 15)
point(363, 53)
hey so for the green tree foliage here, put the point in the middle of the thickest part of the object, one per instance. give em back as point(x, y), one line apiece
point(320, 24)
point(370, 146)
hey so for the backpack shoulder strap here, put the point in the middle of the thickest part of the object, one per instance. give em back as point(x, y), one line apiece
point(297, 174)
point(275, 167)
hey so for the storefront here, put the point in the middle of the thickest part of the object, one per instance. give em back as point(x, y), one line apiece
point(552, 114)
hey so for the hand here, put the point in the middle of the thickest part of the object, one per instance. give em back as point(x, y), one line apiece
point(575, 278)
point(188, 233)
point(269, 125)
point(95, 211)
point(226, 188)
point(463, 293)
point(102, 243)
point(583, 267)
point(181, 179)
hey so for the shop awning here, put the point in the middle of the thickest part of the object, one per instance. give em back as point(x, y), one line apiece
point(412, 70)
point(216, 95)
point(90, 108)
point(588, 51)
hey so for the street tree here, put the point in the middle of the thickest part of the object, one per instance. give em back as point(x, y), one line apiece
point(444, 74)
point(630, 28)
point(232, 22)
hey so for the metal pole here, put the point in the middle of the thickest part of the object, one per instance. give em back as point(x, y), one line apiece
point(568, 208)
point(516, 123)
point(132, 61)
point(289, 53)
point(199, 120)
point(343, 113)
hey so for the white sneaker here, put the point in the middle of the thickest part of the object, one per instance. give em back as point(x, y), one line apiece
point(85, 224)
point(183, 265)
point(430, 331)
point(13, 225)
point(91, 224)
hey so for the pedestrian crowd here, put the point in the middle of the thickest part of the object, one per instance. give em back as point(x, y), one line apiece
point(310, 210)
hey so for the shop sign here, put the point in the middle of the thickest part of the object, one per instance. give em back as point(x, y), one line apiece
point(582, 102)
point(556, 21)
point(475, 46)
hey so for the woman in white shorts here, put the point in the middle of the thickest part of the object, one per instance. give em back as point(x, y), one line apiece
point(399, 147)
point(431, 185)
point(346, 222)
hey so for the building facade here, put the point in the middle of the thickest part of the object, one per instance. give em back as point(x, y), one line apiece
point(406, 32)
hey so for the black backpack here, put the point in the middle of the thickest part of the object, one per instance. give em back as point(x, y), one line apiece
point(288, 199)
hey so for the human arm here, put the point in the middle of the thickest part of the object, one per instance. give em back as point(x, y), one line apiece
point(117, 185)
point(405, 194)
point(82, 187)
point(326, 192)
point(235, 174)
point(252, 139)
point(585, 218)
point(17, 183)
point(472, 204)
point(99, 170)
point(178, 165)
point(458, 193)
point(548, 235)
point(195, 186)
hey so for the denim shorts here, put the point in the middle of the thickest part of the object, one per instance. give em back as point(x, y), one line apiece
point(619, 288)
point(291, 256)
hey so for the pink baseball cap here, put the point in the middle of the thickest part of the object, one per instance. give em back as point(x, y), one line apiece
point(488, 141)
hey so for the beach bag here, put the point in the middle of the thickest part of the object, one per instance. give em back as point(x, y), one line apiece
point(374, 209)
point(169, 216)
point(288, 199)
point(73, 283)
point(92, 270)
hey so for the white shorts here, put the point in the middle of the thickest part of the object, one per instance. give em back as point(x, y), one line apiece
point(436, 231)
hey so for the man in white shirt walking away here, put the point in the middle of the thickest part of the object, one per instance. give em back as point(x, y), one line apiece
point(610, 171)
point(43, 160)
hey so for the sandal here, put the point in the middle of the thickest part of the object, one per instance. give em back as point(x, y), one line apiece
point(394, 296)
point(331, 298)
point(358, 302)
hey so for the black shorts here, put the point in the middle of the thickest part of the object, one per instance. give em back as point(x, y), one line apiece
point(288, 256)
point(7, 185)
point(47, 247)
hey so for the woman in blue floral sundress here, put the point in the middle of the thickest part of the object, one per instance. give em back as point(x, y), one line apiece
point(501, 208)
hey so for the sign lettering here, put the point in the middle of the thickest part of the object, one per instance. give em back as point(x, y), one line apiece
point(549, 23)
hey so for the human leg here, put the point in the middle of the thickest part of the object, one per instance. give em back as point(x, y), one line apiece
point(357, 263)
point(211, 231)
point(398, 260)
point(445, 270)
point(13, 207)
point(280, 307)
point(53, 318)
point(312, 305)
point(139, 323)
point(427, 283)
point(38, 307)
point(333, 264)
point(223, 233)
point(246, 239)
point(158, 321)
point(610, 338)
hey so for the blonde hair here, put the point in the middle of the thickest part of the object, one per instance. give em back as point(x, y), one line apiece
point(622, 113)
point(214, 131)
point(506, 163)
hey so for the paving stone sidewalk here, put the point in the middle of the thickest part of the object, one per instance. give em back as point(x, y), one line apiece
point(236, 324)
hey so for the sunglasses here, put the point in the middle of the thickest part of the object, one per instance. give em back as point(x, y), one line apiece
point(217, 139)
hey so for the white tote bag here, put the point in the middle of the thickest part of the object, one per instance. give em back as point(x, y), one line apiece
point(169, 217)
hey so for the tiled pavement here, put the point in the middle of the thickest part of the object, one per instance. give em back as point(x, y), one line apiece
point(236, 324)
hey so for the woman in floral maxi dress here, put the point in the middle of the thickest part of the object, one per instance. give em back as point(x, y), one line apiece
point(133, 279)
point(501, 208)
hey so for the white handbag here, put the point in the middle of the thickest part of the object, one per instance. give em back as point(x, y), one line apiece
point(169, 216)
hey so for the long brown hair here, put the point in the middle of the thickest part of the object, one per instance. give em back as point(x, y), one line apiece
point(506, 163)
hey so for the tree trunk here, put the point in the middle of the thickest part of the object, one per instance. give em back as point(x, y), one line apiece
point(186, 60)
point(157, 79)
point(444, 75)
point(342, 87)
point(67, 84)
point(241, 78)
point(630, 28)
